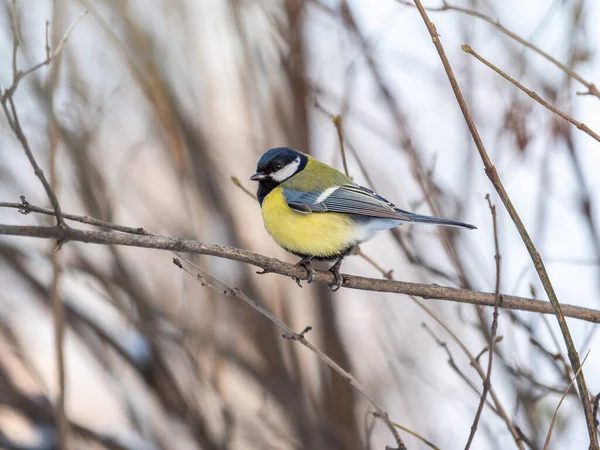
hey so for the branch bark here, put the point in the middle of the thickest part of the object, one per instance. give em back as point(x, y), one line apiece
point(273, 265)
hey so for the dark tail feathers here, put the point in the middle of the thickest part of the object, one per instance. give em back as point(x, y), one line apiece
point(436, 220)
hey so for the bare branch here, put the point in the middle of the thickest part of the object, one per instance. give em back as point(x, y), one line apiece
point(19, 75)
point(553, 421)
point(487, 382)
point(499, 408)
point(591, 87)
point(416, 435)
point(272, 265)
point(8, 105)
point(538, 263)
point(337, 121)
point(581, 126)
point(225, 289)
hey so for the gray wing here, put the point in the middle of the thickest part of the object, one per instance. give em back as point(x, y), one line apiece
point(348, 199)
point(355, 199)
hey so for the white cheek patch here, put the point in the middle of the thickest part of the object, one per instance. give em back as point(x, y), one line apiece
point(287, 171)
point(325, 194)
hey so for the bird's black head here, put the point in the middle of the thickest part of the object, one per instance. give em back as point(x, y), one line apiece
point(275, 166)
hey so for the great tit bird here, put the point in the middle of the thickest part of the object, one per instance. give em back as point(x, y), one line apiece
point(316, 212)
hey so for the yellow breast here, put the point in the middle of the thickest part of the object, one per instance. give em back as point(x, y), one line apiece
point(316, 234)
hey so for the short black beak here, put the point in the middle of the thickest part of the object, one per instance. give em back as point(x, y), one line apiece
point(258, 176)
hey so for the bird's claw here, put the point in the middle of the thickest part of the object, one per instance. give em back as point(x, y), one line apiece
point(339, 280)
point(309, 270)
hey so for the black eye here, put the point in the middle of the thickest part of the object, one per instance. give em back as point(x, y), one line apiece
point(278, 167)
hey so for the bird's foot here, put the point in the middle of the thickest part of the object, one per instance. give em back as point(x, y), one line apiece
point(339, 279)
point(305, 262)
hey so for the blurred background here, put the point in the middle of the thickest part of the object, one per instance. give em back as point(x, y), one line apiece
point(150, 110)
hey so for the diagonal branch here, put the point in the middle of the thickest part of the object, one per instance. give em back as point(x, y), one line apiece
point(553, 421)
point(579, 125)
point(220, 286)
point(538, 263)
point(591, 87)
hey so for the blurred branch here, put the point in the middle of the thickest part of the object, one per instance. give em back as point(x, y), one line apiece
point(538, 263)
point(591, 87)
point(387, 274)
point(319, 107)
point(223, 288)
point(236, 181)
point(581, 126)
point(56, 297)
point(488, 376)
point(337, 121)
point(415, 435)
point(58, 314)
point(39, 410)
point(10, 111)
point(499, 409)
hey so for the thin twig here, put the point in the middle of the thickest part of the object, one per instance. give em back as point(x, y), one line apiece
point(579, 125)
point(494, 340)
point(499, 408)
point(236, 181)
point(225, 289)
point(552, 422)
point(19, 75)
point(347, 144)
point(487, 382)
point(273, 265)
point(8, 105)
point(416, 435)
point(487, 347)
point(13, 122)
point(400, 119)
point(454, 366)
point(387, 274)
point(16, 32)
point(591, 87)
point(26, 208)
point(538, 263)
point(337, 121)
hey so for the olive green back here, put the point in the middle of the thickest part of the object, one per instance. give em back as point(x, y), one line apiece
point(316, 176)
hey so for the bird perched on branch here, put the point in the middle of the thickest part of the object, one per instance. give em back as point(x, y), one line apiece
point(316, 212)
